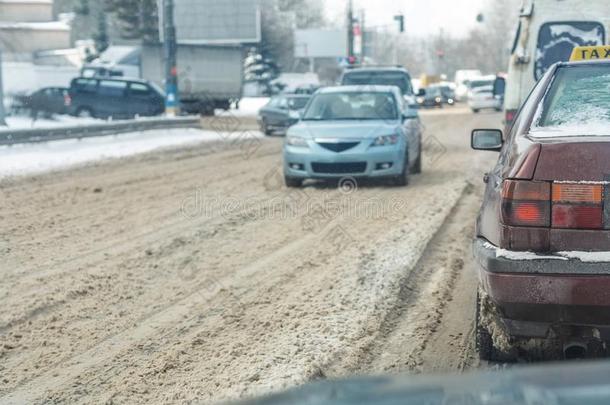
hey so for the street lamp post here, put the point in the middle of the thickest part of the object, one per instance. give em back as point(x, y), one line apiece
point(350, 29)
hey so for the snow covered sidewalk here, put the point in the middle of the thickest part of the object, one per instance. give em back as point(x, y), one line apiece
point(26, 159)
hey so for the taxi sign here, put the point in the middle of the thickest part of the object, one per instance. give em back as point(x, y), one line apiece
point(590, 53)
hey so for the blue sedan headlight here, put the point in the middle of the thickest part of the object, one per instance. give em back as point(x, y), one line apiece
point(386, 140)
point(296, 141)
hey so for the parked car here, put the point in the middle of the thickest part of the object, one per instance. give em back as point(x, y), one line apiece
point(542, 234)
point(354, 131)
point(483, 98)
point(114, 98)
point(281, 113)
point(430, 97)
point(382, 76)
point(47, 101)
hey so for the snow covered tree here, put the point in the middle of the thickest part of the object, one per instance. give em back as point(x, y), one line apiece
point(260, 69)
point(101, 36)
point(137, 19)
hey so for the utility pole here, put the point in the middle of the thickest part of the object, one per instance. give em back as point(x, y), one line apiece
point(350, 29)
point(2, 115)
point(363, 33)
point(172, 101)
point(400, 19)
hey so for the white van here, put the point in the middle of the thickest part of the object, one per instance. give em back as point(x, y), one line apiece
point(547, 33)
point(462, 78)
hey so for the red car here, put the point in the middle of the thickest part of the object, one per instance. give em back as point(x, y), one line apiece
point(543, 233)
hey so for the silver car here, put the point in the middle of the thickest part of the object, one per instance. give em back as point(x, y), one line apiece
point(354, 131)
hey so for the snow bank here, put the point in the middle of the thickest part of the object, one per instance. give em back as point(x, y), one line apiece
point(249, 106)
point(588, 257)
point(40, 157)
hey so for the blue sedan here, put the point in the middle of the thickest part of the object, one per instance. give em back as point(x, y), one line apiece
point(354, 131)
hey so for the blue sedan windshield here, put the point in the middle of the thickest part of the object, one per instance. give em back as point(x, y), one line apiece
point(352, 106)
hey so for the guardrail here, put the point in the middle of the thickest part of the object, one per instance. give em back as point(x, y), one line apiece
point(33, 135)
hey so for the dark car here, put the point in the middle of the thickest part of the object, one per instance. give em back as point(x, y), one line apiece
point(281, 113)
point(47, 101)
point(447, 94)
point(430, 97)
point(116, 98)
point(307, 89)
point(543, 233)
point(382, 76)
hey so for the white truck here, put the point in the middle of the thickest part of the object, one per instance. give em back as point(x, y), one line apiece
point(209, 76)
point(462, 78)
point(547, 33)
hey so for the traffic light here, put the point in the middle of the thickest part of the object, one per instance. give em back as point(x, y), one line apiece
point(401, 22)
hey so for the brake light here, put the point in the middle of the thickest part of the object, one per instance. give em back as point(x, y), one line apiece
point(577, 216)
point(510, 117)
point(557, 205)
point(578, 206)
point(67, 100)
point(526, 203)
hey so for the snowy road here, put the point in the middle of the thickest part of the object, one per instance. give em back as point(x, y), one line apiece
point(193, 275)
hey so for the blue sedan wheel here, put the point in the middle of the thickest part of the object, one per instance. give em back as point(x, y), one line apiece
point(402, 180)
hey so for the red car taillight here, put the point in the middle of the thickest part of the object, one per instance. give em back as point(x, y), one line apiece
point(555, 205)
point(578, 206)
point(526, 203)
point(509, 117)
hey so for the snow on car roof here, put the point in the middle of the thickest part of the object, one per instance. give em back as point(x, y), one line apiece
point(361, 88)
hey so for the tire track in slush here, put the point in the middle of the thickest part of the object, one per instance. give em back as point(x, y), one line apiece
point(430, 329)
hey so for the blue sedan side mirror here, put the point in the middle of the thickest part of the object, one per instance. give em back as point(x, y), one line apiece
point(410, 114)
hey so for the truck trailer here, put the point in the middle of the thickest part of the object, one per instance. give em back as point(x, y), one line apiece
point(209, 76)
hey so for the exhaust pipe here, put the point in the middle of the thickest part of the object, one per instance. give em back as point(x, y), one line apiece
point(575, 350)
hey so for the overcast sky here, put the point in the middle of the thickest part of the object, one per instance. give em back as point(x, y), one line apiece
point(422, 16)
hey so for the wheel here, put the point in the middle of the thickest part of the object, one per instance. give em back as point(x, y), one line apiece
point(484, 343)
point(475, 110)
point(265, 128)
point(207, 110)
point(402, 180)
point(292, 182)
point(85, 112)
point(498, 109)
point(416, 169)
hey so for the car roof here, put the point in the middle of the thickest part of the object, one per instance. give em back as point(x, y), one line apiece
point(380, 69)
point(116, 79)
point(292, 95)
point(586, 62)
point(359, 89)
